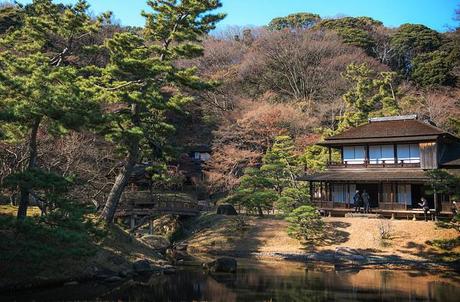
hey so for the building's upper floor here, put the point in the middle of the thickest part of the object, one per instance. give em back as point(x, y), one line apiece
point(399, 141)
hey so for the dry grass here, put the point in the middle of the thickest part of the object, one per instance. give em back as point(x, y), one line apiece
point(407, 239)
point(12, 210)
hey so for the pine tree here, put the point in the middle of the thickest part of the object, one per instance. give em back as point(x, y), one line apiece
point(255, 191)
point(40, 80)
point(144, 81)
point(371, 94)
point(294, 21)
point(281, 164)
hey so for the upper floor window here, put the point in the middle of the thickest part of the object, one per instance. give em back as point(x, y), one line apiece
point(380, 153)
point(354, 154)
point(409, 153)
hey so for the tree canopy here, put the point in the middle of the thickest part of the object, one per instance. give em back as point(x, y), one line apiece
point(294, 21)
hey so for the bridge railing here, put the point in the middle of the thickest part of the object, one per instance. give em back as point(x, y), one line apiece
point(147, 201)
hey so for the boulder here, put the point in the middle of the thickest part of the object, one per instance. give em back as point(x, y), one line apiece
point(156, 242)
point(169, 270)
point(226, 209)
point(221, 265)
point(141, 266)
point(126, 273)
point(113, 279)
point(70, 283)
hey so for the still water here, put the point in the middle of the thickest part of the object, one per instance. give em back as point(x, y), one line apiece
point(272, 281)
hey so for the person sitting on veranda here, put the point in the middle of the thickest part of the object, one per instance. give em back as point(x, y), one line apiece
point(366, 200)
point(425, 207)
point(357, 200)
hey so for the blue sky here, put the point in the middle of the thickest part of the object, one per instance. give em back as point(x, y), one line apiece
point(436, 14)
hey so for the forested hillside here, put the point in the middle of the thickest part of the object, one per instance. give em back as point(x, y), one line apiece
point(83, 100)
point(307, 77)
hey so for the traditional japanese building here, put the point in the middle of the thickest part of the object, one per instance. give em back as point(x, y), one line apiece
point(388, 157)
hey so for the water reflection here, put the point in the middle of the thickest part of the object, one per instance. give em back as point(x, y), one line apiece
point(269, 282)
point(287, 282)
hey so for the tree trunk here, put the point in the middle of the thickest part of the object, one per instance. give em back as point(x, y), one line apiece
point(25, 190)
point(122, 179)
point(261, 213)
point(118, 187)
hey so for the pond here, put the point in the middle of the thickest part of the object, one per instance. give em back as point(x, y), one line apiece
point(264, 281)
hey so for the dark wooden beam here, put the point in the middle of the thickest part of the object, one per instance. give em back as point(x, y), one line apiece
point(395, 153)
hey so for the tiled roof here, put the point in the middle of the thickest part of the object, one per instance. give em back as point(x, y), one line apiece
point(389, 129)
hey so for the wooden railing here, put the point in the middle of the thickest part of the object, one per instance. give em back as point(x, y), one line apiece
point(331, 204)
point(445, 207)
point(368, 164)
point(144, 202)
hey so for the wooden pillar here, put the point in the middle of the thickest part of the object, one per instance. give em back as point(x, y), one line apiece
point(366, 159)
point(379, 193)
point(435, 199)
point(392, 193)
point(321, 191)
point(395, 152)
point(150, 226)
point(348, 194)
point(311, 192)
point(132, 222)
point(330, 154)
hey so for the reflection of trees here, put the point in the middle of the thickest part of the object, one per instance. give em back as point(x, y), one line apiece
point(269, 283)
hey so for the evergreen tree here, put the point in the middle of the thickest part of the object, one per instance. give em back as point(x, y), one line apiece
point(370, 95)
point(41, 83)
point(10, 18)
point(315, 157)
point(356, 31)
point(143, 79)
point(411, 40)
point(275, 182)
point(433, 69)
point(443, 182)
point(255, 191)
point(294, 21)
point(281, 164)
point(305, 223)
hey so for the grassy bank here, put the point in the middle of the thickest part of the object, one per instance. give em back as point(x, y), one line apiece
point(34, 252)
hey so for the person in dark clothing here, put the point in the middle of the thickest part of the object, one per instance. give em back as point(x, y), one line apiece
point(454, 210)
point(425, 207)
point(366, 200)
point(358, 200)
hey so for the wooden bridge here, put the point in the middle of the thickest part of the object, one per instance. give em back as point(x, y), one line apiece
point(142, 206)
point(146, 203)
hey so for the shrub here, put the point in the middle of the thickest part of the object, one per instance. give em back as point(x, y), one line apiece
point(305, 223)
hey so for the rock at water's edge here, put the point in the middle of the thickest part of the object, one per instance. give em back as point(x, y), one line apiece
point(226, 209)
point(141, 266)
point(222, 265)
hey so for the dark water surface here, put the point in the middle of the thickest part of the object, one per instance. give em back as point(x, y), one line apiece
point(267, 281)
